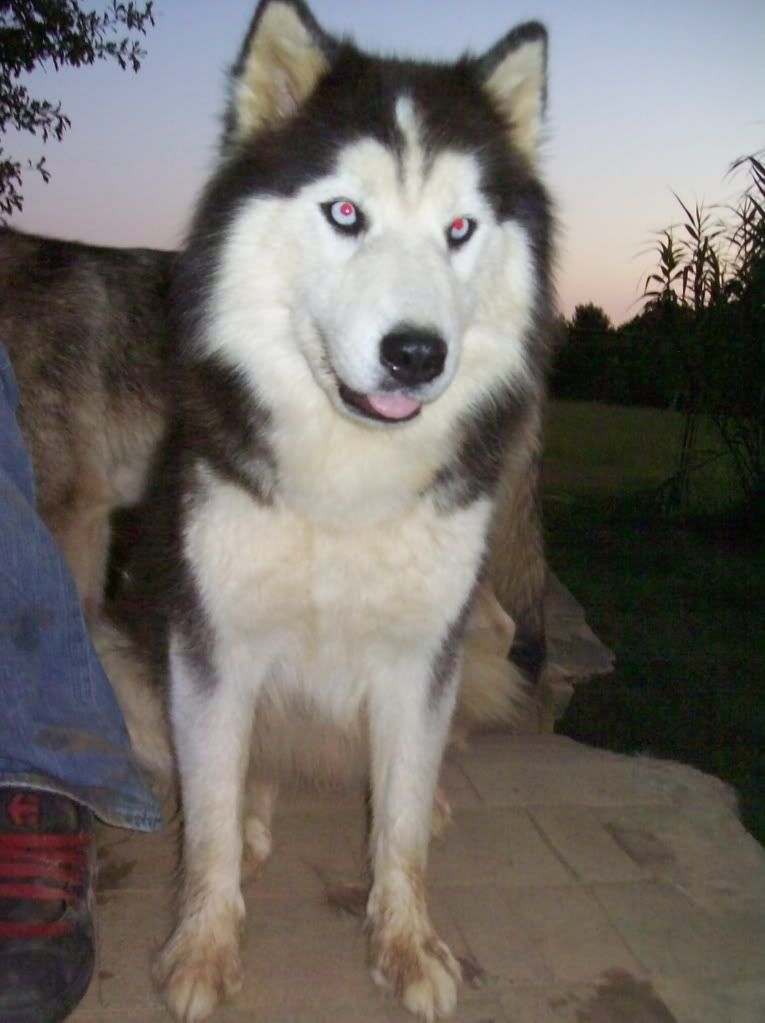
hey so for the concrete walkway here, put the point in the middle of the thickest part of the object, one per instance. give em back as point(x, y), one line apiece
point(576, 887)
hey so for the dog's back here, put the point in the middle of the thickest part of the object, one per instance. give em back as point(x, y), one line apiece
point(85, 327)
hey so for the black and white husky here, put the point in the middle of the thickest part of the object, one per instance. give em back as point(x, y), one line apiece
point(362, 311)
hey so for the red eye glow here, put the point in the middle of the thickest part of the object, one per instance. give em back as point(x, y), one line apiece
point(460, 229)
point(345, 216)
point(343, 213)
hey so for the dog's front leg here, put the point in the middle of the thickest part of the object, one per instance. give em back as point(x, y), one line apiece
point(212, 726)
point(409, 722)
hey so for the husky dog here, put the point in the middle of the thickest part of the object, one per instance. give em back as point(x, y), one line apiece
point(86, 331)
point(69, 312)
point(362, 312)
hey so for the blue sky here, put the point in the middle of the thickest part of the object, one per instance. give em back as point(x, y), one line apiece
point(644, 98)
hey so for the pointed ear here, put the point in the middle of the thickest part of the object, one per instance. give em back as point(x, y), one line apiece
point(283, 57)
point(514, 73)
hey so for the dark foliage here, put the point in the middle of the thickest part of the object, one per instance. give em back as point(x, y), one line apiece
point(57, 33)
point(628, 365)
point(699, 343)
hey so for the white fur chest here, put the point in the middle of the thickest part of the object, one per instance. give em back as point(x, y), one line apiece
point(322, 612)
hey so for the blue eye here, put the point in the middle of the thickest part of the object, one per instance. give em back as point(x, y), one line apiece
point(344, 215)
point(459, 231)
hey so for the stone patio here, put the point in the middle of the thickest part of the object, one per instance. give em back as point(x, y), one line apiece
point(576, 886)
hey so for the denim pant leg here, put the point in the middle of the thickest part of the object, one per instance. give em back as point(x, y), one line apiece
point(61, 728)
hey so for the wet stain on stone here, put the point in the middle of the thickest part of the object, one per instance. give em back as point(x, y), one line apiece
point(564, 1001)
point(473, 974)
point(622, 998)
point(112, 875)
point(641, 846)
point(350, 898)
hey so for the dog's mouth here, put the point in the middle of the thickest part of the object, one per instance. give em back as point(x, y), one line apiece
point(382, 406)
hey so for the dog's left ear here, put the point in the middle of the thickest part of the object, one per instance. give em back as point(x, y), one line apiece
point(285, 54)
point(514, 73)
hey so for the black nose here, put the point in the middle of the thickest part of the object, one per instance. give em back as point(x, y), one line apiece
point(413, 356)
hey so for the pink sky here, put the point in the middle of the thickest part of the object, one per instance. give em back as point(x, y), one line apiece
point(644, 98)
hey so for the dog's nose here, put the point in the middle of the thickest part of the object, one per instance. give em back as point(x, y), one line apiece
point(412, 355)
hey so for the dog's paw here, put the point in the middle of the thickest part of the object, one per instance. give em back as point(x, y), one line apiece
point(194, 976)
point(421, 971)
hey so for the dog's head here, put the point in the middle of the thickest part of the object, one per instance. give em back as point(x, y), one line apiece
point(382, 215)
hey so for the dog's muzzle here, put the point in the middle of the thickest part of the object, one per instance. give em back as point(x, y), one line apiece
point(412, 357)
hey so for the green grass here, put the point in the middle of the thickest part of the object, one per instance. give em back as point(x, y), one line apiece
point(678, 600)
point(595, 450)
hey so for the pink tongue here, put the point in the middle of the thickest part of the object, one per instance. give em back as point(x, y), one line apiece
point(393, 406)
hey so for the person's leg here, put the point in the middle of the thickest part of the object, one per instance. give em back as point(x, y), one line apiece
point(64, 752)
point(62, 729)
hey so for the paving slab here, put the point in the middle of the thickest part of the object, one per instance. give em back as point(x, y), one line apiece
point(575, 886)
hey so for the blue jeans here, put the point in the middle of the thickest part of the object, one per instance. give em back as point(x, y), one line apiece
point(61, 728)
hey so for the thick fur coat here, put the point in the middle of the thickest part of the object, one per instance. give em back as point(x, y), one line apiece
point(360, 319)
point(86, 330)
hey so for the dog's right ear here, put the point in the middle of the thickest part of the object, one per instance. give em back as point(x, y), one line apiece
point(284, 56)
point(514, 73)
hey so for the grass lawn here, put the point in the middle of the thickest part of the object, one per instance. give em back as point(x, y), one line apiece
point(595, 450)
point(678, 600)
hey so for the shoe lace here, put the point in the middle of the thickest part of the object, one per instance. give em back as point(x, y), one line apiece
point(42, 868)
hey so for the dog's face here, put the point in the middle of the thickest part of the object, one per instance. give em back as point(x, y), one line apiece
point(380, 214)
point(390, 284)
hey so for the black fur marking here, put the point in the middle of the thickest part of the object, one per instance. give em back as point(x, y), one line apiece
point(155, 588)
point(356, 99)
point(226, 426)
point(445, 663)
point(474, 471)
point(223, 430)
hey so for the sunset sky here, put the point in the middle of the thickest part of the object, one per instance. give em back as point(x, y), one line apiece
point(643, 99)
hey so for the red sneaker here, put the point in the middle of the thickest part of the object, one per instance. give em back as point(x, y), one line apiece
point(46, 905)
